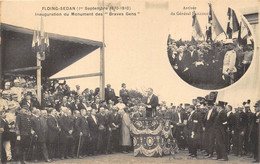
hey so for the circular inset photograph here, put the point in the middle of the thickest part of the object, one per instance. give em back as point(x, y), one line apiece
point(214, 51)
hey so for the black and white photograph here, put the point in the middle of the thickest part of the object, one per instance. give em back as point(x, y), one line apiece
point(217, 54)
point(147, 81)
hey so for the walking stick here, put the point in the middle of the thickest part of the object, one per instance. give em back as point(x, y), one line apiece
point(79, 145)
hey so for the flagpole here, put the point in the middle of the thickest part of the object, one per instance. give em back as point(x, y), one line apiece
point(39, 78)
point(102, 59)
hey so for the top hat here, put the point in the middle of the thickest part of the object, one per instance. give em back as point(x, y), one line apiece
point(221, 103)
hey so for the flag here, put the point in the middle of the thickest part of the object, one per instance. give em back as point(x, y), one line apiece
point(216, 25)
point(47, 44)
point(235, 25)
point(193, 40)
point(229, 29)
point(34, 40)
point(42, 28)
point(169, 39)
point(244, 32)
point(209, 29)
point(38, 40)
point(196, 29)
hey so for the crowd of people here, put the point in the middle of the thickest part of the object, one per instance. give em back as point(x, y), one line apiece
point(76, 124)
point(210, 65)
point(217, 129)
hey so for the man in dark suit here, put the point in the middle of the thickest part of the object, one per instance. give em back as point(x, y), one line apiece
point(208, 127)
point(190, 57)
point(194, 125)
point(151, 102)
point(93, 127)
point(53, 132)
point(124, 94)
point(76, 105)
point(110, 93)
point(115, 124)
point(241, 125)
point(83, 104)
point(81, 131)
point(220, 131)
point(102, 135)
point(39, 126)
point(66, 138)
point(230, 123)
point(254, 132)
point(178, 126)
point(97, 104)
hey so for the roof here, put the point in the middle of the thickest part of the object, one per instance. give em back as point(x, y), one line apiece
point(64, 50)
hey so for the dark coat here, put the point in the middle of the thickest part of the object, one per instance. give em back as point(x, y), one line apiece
point(93, 127)
point(194, 123)
point(81, 106)
point(115, 119)
point(210, 123)
point(39, 125)
point(81, 125)
point(96, 106)
point(6, 133)
point(124, 94)
point(189, 61)
point(23, 124)
point(154, 102)
point(66, 123)
point(75, 107)
point(53, 128)
point(110, 94)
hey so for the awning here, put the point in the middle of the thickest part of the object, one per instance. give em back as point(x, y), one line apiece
point(64, 50)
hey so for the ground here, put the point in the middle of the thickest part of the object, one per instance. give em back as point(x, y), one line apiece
point(129, 158)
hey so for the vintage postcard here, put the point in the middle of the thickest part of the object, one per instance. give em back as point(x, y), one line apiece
point(114, 81)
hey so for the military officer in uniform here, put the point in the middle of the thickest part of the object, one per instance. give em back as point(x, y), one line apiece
point(23, 133)
point(229, 62)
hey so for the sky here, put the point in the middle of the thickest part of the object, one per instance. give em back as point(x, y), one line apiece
point(136, 50)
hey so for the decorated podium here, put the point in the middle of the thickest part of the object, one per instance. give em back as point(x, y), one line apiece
point(151, 136)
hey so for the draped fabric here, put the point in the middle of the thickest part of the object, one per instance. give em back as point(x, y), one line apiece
point(152, 137)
